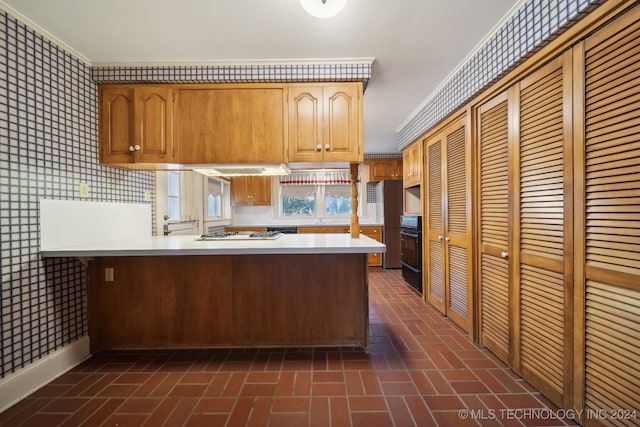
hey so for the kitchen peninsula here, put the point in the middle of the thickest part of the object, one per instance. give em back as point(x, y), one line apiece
point(178, 292)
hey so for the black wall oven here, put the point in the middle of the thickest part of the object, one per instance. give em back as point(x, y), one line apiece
point(411, 250)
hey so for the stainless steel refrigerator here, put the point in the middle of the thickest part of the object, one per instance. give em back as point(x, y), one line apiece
point(390, 192)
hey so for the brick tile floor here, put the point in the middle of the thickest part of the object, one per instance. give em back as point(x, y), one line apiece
point(422, 371)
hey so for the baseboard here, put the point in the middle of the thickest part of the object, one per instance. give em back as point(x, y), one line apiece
point(22, 383)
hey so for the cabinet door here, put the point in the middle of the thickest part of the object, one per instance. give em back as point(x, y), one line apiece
point(608, 275)
point(230, 125)
point(447, 248)
point(434, 253)
point(542, 279)
point(457, 214)
point(341, 114)
point(305, 124)
point(385, 169)
point(412, 165)
point(493, 140)
point(251, 191)
point(154, 119)
point(116, 124)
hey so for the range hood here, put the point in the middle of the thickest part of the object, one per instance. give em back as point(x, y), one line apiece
point(242, 169)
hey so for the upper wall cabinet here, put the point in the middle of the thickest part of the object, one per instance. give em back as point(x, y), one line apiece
point(384, 169)
point(251, 190)
point(325, 123)
point(136, 124)
point(412, 164)
point(230, 124)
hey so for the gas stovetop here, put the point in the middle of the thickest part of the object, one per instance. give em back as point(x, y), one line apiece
point(241, 235)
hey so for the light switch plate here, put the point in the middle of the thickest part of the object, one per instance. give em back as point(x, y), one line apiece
point(83, 189)
point(108, 274)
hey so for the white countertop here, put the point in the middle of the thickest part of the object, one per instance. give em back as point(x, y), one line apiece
point(188, 245)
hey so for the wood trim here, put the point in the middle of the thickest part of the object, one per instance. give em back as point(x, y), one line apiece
point(579, 230)
point(623, 280)
point(568, 255)
point(514, 231)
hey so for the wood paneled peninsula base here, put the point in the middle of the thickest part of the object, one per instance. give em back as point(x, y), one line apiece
point(252, 300)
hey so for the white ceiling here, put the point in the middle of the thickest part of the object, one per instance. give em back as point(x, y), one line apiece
point(416, 43)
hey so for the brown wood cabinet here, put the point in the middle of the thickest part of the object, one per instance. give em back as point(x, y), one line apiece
point(556, 203)
point(230, 124)
point(232, 228)
point(251, 190)
point(607, 251)
point(374, 232)
point(258, 300)
point(136, 125)
point(526, 285)
point(447, 240)
point(324, 229)
point(325, 123)
point(384, 169)
point(412, 164)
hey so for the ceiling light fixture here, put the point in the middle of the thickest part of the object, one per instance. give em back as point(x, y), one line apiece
point(323, 8)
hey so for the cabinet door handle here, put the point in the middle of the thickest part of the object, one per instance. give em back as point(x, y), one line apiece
point(131, 148)
point(504, 255)
point(440, 238)
point(447, 238)
point(319, 147)
point(137, 147)
point(327, 147)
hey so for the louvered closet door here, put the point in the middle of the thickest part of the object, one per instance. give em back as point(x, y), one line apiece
point(457, 214)
point(493, 138)
point(612, 218)
point(544, 277)
point(434, 244)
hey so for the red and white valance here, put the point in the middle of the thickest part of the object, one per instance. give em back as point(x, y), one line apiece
point(324, 177)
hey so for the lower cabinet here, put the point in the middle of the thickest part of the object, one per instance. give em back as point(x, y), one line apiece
point(324, 229)
point(374, 232)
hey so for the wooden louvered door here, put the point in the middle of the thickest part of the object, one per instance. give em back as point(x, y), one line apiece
point(608, 172)
point(434, 241)
point(493, 140)
point(448, 226)
point(457, 224)
point(542, 268)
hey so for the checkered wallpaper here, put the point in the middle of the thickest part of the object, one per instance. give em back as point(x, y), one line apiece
point(535, 24)
point(48, 145)
point(236, 73)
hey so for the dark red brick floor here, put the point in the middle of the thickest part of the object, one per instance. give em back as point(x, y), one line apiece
point(422, 371)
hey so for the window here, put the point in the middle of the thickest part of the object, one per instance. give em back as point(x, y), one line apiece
point(315, 194)
point(216, 199)
point(173, 195)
